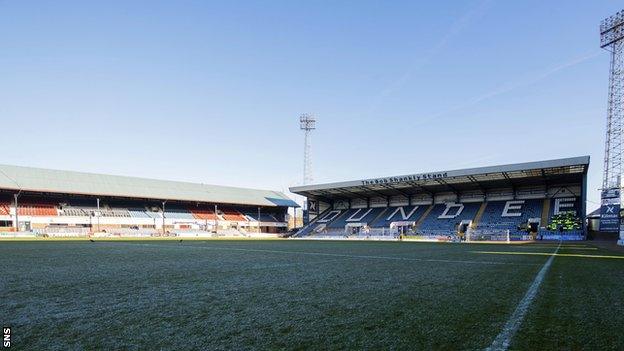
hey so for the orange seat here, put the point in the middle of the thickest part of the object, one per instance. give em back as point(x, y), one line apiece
point(4, 209)
point(203, 214)
point(233, 215)
point(35, 209)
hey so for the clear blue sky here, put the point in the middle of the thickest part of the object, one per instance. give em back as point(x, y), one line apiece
point(211, 91)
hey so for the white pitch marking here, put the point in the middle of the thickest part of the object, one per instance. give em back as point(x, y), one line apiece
point(503, 340)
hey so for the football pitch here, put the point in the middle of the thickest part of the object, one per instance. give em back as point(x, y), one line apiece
point(295, 294)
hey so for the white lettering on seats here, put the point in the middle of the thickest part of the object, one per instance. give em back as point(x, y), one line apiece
point(449, 206)
point(329, 216)
point(562, 204)
point(512, 205)
point(403, 215)
point(354, 219)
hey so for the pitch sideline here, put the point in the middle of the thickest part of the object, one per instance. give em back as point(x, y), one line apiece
point(503, 339)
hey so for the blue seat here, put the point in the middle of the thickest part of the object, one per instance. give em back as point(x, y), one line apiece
point(434, 223)
point(178, 213)
point(359, 215)
point(399, 214)
point(138, 213)
point(493, 217)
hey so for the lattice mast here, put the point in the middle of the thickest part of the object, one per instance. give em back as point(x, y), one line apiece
point(307, 124)
point(612, 39)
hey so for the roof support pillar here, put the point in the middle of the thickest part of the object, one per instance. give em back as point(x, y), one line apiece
point(15, 196)
point(583, 199)
point(259, 219)
point(163, 217)
point(216, 221)
point(98, 213)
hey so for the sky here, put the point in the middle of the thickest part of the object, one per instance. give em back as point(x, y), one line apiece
point(211, 92)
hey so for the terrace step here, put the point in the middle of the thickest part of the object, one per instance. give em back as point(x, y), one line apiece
point(382, 213)
point(424, 215)
point(477, 218)
point(545, 212)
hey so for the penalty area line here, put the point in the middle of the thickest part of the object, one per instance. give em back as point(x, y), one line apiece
point(546, 254)
point(503, 339)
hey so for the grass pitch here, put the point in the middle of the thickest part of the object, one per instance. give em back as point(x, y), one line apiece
point(305, 295)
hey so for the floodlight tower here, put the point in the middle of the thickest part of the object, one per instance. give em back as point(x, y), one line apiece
point(611, 39)
point(307, 124)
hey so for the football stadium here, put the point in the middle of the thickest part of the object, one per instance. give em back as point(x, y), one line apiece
point(484, 258)
point(55, 203)
point(501, 248)
point(528, 201)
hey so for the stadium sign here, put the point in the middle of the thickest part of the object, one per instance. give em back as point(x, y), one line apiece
point(610, 194)
point(610, 218)
point(610, 211)
point(313, 206)
point(402, 179)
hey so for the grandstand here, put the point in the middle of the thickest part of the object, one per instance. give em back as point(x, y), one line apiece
point(526, 201)
point(63, 203)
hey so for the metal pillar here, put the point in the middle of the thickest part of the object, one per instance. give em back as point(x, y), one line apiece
point(615, 113)
point(611, 39)
point(216, 226)
point(163, 217)
point(15, 196)
point(611, 35)
point(307, 124)
point(98, 214)
point(259, 219)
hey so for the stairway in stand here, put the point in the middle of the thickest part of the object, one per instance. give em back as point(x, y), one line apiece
point(545, 212)
point(422, 218)
point(477, 219)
